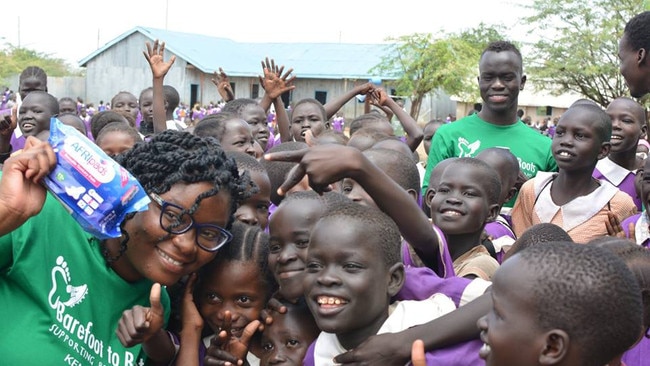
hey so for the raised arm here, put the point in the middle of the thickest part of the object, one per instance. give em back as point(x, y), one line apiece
point(275, 83)
point(327, 164)
point(414, 134)
point(222, 82)
point(21, 193)
point(394, 348)
point(335, 105)
point(8, 123)
point(159, 68)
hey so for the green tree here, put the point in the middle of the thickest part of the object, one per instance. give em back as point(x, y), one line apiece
point(421, 64)
point(577, 46)
point(13, 60)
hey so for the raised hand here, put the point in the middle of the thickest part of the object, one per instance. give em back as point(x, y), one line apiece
point(21, 194)
point(274, 82)
point(378, 97)
point(222, 82)
point(154, 56)
point(613, 226)
point(140, 323)
point(190, 316)
point(8, 122)
point(323, 164)
point(223, 346)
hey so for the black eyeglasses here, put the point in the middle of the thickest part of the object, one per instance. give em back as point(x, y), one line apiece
point(174, 220)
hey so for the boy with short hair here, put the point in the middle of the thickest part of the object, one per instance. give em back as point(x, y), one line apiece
point(353, 269)
point(549, 310)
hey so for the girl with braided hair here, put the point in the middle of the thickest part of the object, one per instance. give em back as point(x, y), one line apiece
point(65, 290)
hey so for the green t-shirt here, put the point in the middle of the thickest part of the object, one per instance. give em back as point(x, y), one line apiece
point(60, 301)
point(470, 135)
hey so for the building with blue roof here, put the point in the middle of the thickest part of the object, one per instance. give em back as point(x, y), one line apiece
point(323, 70)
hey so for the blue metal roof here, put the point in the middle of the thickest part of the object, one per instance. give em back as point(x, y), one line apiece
point(309, 60)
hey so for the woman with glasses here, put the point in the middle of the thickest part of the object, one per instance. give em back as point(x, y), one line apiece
point(63, 291)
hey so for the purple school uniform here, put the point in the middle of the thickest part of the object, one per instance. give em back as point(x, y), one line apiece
point(639, 355)
point(641, 228)
point(500, 231)
point(462, 354)
point(445, 263)
point(618, 176)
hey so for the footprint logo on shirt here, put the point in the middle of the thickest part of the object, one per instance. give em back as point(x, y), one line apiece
point(467, 150)
point(63, 292)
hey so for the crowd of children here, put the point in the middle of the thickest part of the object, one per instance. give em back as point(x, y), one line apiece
point(293, 237)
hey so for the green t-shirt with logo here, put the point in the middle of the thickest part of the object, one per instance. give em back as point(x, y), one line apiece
point(470, 135)
point(60, 301)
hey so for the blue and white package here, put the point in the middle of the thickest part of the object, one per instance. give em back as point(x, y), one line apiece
point(95, 189)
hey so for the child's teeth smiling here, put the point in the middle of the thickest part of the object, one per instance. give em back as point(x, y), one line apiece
point(327, 300)
point(451, 213)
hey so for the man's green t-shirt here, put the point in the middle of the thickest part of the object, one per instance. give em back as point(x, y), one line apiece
point(470, 135)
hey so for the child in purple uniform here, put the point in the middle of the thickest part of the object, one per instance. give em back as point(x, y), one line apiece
point(620, 166)
point(637, 227)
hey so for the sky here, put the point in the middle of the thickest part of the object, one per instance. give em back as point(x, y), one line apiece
point(73, 29)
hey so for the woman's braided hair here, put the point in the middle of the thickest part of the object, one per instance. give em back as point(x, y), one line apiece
point(173, 157)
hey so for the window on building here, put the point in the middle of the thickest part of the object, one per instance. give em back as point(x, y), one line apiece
point(321, 96)
point(255, 91)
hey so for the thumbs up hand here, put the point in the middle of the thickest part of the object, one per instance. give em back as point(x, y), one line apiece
point(140, 323)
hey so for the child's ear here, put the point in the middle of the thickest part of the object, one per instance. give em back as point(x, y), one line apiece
point(396, 281)
point(604, 150)
point(413, 194)
point(556, 347)
point(428, 197)
point(493, 212)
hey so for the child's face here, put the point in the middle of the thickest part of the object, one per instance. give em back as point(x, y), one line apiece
point(347, 283)
point(627, 117)
point(500, 80)
point(255, 210)
point(461, 204)
point(115, 142)
point(509, 331)
point(576, 144)
point(233, 286)
point(307, 116)
point(256, 118)
point(290, 229)
point(429, 131)
point(285, 342)
point(146, 105)
point(238, 137)
point(356, 193)
point(31, 84)
point(35, 114)
point(67, 106)
point(635, 78)
point(126, 103)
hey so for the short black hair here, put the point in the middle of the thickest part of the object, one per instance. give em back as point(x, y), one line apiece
point(214, 125)
point(99, 120)
point(236, 106)
point(171, 97)
point(490, 181)
point(637, 31)
point(338, 137)
point(246, 162)
point(603, 122)
point(505, 157)
point(50, 101)
point(538, 234)
point(381, 230)
point(573, 284)
point(366, 120)
point(121, 127)
point(33, 72)
point(397, 166)
point(315, 102)
point(278, 170)
point(71, 119)
point(329, 199)
point(502, 46)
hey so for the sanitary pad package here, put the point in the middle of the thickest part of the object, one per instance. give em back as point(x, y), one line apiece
point(96, 190)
